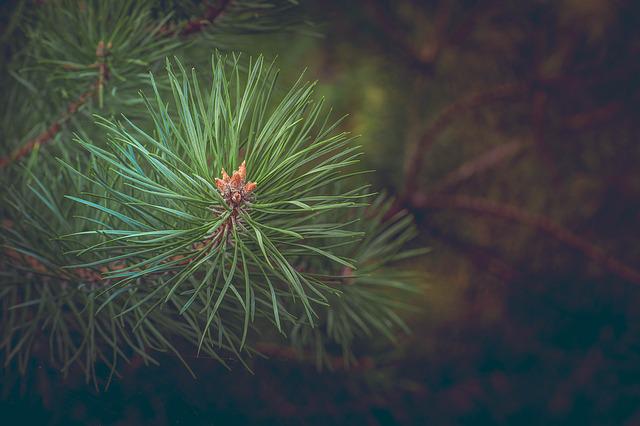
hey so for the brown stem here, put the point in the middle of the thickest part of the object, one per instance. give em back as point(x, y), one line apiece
point(598, 115)
point(196, 25)
point(211, 15)
point(543, 224)
point(49, 134)
point(446, 116)
point(566, 84)
point(483, 162)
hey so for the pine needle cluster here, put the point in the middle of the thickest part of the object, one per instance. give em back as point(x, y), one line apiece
point(203, 212)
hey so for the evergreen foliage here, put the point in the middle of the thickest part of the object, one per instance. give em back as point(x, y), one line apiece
point(122, 231)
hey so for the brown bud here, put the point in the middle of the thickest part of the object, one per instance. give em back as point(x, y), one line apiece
point(220, 184)
point(236, 179)
point(242, 170)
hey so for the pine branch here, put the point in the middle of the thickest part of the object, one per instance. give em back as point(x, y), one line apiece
point(196, 25)
point(364, 308)
point(51, 132)
point(152, 40)
point(210, 16)
point(96, 88)
point(479, 164)
point(541, 223)
point(442, 121)
point(593, 117)
point(147, 236)
point(238, 232)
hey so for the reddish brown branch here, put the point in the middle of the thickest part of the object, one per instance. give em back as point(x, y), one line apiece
point(543, 224)
point(196, 25)
point(483, 162)
point(20, 261)
point(210, 15)
point(49, 134)
point(442, 121)
point(565, 84)
point(593, 117)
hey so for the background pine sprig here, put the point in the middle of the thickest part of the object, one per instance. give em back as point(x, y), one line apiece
point(68, 59)
point(372, 295)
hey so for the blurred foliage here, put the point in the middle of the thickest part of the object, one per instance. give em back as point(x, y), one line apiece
point(517, 327)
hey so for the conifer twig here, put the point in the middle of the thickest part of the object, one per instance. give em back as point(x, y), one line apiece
point(196, 25)
point(442, 121)
point(48, 135)
point(210, 15)
point(96, 88)
point(541, 223)
point(479, 164)
point(600, 114)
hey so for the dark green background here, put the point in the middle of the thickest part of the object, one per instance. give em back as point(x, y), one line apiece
point(514, 326)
